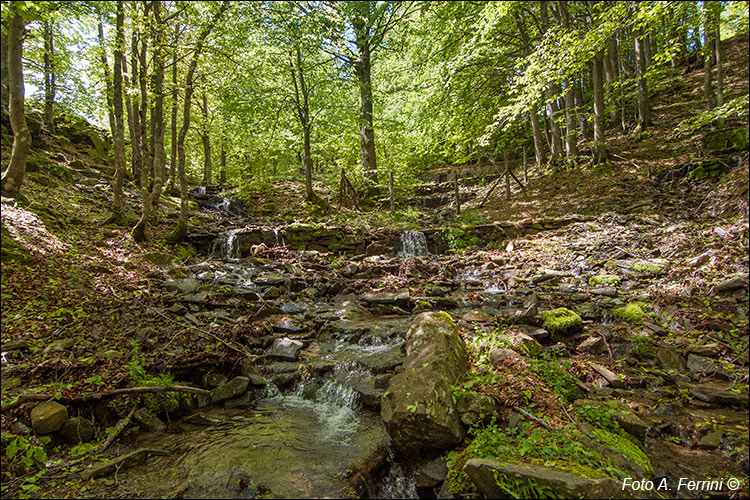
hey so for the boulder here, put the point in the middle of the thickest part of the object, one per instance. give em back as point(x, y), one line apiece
point(474, 407)
point(287, 325)
point(490, 475)
point(48, 417)
point(183, 285)
point(731, 284)
point(497, 354)
point(77, 430)
point(417, 408)
point(562, 322)
point(232, 389)
point(149, 421)
point(284, 349)
point(719, 397)
point(431, 474)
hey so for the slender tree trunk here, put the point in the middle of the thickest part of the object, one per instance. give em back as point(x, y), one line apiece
point(571, 148)
point(367, 130)
point(554, 113)
point(180, 230)
point(135, 132)
point(223, 163)
point(14, 174)
point(600, 148)
point(536, 128)
point(119, 132)
point(107, 75)
point(719, 69)
point(708, 31)
point(157, 115)
point(49, 76)
point(206, 139)
point(644, 114)
point(583, 124)
point(173, 122)
point(4, 85)
point(139, 231)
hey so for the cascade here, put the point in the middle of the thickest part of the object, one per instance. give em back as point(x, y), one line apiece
point(413, 243)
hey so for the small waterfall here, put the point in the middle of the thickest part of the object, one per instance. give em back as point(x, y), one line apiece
point(279, 240)
point(397, 484)
point(201, 190)
point(413, 243)
point(226, 245)
point(223, 204)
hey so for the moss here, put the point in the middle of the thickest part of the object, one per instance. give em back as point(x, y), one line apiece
point(644, 348)
point(561, 321)
point(445, 318)
point(631, 313)
point(646, 268)
point(604, 279)
point(625, 446)
point(458, 481)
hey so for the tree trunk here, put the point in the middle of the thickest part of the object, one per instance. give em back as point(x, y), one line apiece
point(583, 124)
point(308, 164)
point(554, 112)
point(367, 131)
point(135, 132)
point(708, 31)
point(206, 139)
point(49, 76)
point(180, 230)
point(4, 73)
point(157, 114)
point(571, 148)
point(173, 123)
point(139, 231)
point(600, 148)
point(119, 132)
point(533, 117)
point(107, 76)
point(719, 69)
point(223, 164)
point(644, 113)
point(14, 174)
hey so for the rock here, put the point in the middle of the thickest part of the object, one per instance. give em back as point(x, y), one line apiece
point(497, 354)
point(417, 408)
point(701, 364)
point(270, 279)
point(432, 290)
point(77, 430)
point(202, 419)
point(592, 345)
point(382, 359)
point(272, 292)
point(431, 474)
point(562, 322)
point(534, 332)
point(59, 345)
point(400, 298)
point(293, 308)
point(522, 343)
point(718, 397)
point(477, 316)
point(351, 311)
point(149, 421)
point(710, 441)
point(611, 377)
point(232, 389)
point(284, 349)
point(473, 407)
point(183, 285)
point(287, 325)
point(731, 284)
point(251, 372)
point(48, 417)
point(349, 270)
point(629, 421)
point(132, 459)
point(670, 360)
point(212, 380)
point(556, 483)
point(607, 291)
point(712, 350)
point(376, 249)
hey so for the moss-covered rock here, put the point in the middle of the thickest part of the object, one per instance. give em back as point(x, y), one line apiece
point(562, 321)
point(705, 169)
point(632, 313)
point(604, 279)
point(735, 139)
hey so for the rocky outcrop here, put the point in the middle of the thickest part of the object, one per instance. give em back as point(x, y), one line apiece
point(417, 407)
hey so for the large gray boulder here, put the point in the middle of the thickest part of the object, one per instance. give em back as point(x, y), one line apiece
point(488, 475)
point(417, 407)
point(48, 417)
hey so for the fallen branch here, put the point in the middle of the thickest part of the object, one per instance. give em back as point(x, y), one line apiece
point(216, 337)
point(119, 427)
point(609, 350)
point(531, 417)
point(24, 398)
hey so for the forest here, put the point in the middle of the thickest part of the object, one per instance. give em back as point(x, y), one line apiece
point(375, 249)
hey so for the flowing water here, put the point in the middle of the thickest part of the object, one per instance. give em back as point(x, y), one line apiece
point(295, 445)
point(413, 243)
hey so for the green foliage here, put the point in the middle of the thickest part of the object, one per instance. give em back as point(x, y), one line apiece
point(644, 347)
point(158, 402)
point(458, 239)
point(523, 488)
point(557, 375)
point(620, 442)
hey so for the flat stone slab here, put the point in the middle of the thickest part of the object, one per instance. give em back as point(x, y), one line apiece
point(564, 484)
point(284, 349)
